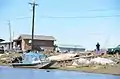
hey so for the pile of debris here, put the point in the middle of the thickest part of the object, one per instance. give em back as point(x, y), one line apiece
point(94, 61)
point(81, 62)
point(102, 61)
point(62, 57)
point(7, 58)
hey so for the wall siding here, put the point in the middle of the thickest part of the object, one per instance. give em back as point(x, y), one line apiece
point(46, 44)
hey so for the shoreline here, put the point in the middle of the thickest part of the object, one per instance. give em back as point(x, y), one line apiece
point(107, 71)
point(89, 70)
point(97, 69)
point(94, 72)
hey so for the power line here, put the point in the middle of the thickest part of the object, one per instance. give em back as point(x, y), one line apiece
point(22, 18)
point(77, 17)
point(97, 10)
point(70, 17)
point(109, 9)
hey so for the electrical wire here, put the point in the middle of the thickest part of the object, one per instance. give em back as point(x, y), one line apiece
point(22, 18)
point(77, 17)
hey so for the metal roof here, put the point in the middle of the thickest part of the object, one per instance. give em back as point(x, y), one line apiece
point(4, 42)
point(38, 37)
point(70, 46)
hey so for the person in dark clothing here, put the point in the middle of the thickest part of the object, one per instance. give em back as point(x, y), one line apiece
point(98, 47)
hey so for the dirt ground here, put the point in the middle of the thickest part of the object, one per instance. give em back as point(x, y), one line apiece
point(113, 70)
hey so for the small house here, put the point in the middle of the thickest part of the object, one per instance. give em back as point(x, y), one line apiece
point(7, 45)
point(40, 41)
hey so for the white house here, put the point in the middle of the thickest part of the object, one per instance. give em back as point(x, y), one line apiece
point(70, 48)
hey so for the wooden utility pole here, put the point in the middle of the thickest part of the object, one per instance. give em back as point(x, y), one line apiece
point(33, 19)
point(10, 39)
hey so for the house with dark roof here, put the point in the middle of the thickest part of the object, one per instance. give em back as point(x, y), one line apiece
point(40, 41)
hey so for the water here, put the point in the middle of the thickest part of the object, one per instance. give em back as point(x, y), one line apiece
point(18, 73)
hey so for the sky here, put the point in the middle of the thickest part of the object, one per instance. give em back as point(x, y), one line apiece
point(74, 22)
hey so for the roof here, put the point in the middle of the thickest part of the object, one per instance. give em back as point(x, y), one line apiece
point(70, 46)
point(38, 37)
point(1, 40)
point(5, 42)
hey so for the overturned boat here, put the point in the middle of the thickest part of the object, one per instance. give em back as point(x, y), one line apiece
point(34, 60)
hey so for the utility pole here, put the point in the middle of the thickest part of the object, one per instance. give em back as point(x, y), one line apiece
point(33, 19)
point(10, 39)
point(13, 35)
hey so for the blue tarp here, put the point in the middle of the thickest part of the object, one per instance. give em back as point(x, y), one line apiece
point(28, 57)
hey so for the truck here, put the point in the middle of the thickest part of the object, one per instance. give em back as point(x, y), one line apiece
point(114, 50)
